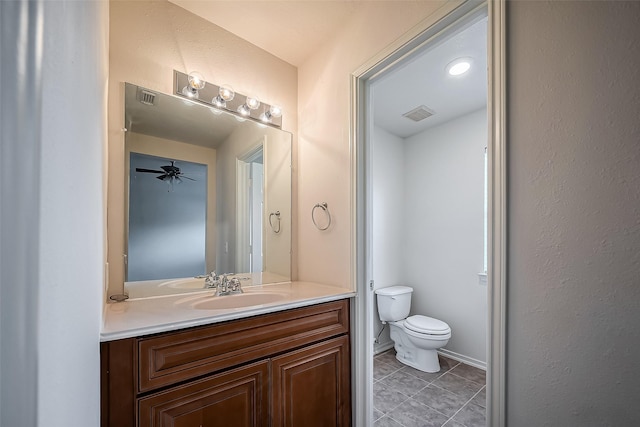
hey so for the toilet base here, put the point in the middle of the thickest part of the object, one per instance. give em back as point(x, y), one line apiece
point(418, 358)
point(423, 356)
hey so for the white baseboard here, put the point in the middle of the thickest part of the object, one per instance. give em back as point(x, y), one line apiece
point(464, 359)
point(382, 347)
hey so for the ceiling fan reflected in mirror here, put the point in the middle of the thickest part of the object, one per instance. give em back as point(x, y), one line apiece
point(169, 173)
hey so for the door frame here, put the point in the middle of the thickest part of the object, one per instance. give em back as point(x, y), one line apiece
point(449, 14)
point(243, 203)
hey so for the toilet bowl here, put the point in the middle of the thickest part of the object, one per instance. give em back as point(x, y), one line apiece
point(416, 338)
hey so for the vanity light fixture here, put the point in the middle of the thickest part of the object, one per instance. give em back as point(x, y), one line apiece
point(224, 99)
point(196, 82)
point(459, 66)
point(225, 93)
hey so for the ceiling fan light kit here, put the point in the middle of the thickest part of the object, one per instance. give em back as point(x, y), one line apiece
point(170, 174)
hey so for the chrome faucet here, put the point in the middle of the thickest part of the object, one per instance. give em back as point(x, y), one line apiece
point(224, 284)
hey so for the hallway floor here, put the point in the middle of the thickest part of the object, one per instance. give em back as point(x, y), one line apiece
point(406, 397)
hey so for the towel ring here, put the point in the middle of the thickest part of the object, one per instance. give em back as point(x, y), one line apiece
point(325, 208)
point(277, 215)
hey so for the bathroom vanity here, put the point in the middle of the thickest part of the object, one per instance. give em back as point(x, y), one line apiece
point(180, 353)
point(286, 366)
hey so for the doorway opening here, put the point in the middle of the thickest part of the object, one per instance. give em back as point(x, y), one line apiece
point(427, 149)
point(434, 162)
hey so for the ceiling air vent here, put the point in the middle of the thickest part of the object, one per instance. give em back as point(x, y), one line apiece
point(419, 113)
point(147, 98)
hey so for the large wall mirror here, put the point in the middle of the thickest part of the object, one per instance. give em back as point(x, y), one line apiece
point(205, 190)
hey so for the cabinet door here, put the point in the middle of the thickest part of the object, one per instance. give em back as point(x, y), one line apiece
point(311, 387)
point(238, 398)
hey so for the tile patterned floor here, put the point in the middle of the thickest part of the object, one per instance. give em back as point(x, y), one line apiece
point(406, 397)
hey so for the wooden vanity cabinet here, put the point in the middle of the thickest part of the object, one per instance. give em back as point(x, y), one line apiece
point(290, 368)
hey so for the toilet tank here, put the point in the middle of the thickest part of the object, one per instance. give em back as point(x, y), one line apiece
point(394, 303)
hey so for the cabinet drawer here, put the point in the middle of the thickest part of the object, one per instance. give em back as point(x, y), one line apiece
point(175, 357)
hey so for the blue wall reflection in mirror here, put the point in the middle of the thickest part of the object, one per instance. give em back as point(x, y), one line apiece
point(167, 218)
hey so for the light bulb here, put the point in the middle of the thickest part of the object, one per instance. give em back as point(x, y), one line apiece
point(252, 102)
point(219, 102)
point(195, 83)
point(190, 92)
point(266, 117)
point(226, 92)
point(275, 111)
point(196, 80)
point(244, 110)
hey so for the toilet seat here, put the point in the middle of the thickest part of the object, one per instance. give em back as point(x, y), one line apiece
point(426, 325)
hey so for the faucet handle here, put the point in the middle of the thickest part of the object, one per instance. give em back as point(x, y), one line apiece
point(236, 286)
point(212, 280)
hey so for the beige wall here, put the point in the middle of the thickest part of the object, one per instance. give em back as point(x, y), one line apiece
point(324, 165)
point(277, 173)
point(148, 40)
point(276, 146)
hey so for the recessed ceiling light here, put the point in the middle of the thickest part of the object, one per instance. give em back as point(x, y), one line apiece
point(459, 66)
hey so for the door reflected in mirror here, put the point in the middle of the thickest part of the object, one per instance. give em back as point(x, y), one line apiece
point(250, 203)
point(201, 185)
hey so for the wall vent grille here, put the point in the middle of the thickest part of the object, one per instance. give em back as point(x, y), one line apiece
point(147, 98)
point(419, 113)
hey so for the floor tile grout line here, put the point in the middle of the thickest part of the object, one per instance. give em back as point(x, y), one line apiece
point(465, 404)
point(407, 369)
point(396, 420)
point(456, 413)
point(467, 379)
point(415, 376)
point(384, 414)
point(387, 376)
point(448, 391)
point(430, 407)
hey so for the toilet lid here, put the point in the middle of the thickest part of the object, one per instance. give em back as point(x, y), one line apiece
point(426, 325)
point(394, 290)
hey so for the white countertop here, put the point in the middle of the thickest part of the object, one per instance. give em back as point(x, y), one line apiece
point(152, 315)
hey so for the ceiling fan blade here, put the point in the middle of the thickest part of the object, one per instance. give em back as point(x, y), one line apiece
point(186, 177)
point(148, 170)
point(162, 177)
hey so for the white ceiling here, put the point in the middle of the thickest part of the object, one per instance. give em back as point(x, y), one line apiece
point(290, 30)
point(293, 30)
point(424, 81)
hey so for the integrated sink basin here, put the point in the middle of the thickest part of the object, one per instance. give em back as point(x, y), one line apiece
point(230, 302)
point(190, 283)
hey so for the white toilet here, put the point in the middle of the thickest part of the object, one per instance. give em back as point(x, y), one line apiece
point(417, 337)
